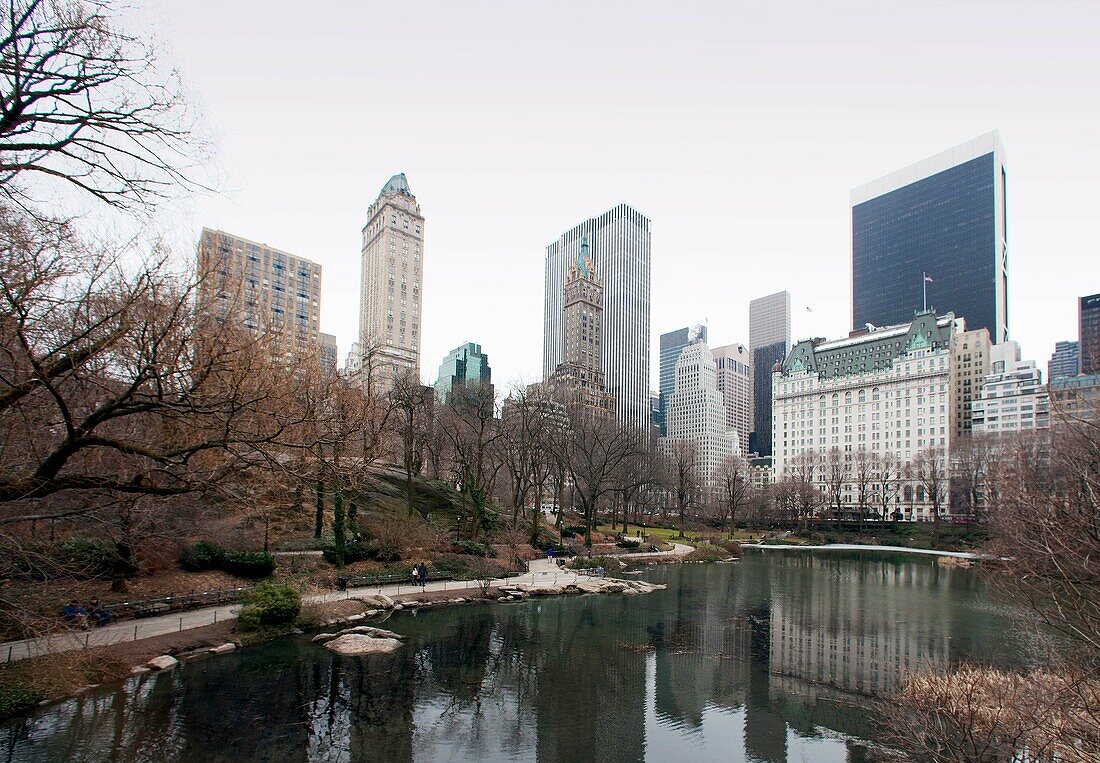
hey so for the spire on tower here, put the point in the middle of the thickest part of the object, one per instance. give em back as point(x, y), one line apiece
point(582, 257)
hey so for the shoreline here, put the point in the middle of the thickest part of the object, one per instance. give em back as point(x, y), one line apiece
point(862, 547)
point(118, 661)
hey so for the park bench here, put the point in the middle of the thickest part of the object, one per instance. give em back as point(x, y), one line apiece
point(372, 581)
point(161, 605)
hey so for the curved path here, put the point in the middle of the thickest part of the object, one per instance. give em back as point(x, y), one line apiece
point(539, 571)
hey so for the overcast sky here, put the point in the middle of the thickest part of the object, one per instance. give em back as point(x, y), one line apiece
point(738, 128)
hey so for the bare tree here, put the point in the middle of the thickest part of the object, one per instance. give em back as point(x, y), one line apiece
point(887, 476)
point(735, 488)
point(469, 425)
point(802, 470)
point(413, 406)
point(863, 475)
point(971, 461)
point(592, 451)
point(837, 470)
point(685, 480)
point(83, 102)
point(930, 471)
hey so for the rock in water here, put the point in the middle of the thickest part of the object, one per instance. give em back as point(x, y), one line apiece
point(164, 662)
point(223, 649)
point(367, 630)
point(356, 644)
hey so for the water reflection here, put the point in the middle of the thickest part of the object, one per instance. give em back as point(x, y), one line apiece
point(774, 659)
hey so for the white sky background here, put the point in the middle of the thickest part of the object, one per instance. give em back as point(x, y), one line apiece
point(738, 128)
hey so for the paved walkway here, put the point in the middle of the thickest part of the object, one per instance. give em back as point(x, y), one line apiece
point(539, 571)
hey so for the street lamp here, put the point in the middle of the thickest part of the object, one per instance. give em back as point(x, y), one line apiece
point(458, 529)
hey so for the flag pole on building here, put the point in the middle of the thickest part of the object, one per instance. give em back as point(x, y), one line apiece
point(925, 280)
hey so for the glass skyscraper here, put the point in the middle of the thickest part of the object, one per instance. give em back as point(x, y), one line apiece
point(619, 245)
point(465, 367)
point(938, 225)
point(1088, 322)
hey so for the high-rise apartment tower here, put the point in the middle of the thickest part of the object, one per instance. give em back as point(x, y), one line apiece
point(271, 292)
point(934, 231)
point(392, 276)
point(619, 249)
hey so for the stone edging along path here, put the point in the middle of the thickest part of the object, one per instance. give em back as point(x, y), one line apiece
point(860, 547)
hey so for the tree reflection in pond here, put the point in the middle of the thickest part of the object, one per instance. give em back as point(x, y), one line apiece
point(776, 658)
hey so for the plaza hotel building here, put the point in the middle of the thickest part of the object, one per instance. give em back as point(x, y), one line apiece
point(888, 390)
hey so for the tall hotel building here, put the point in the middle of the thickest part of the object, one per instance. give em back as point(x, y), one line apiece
point(271, 292)
point(619, 248)
point(941, 219)
point(392, 275)
point(769, 343)
point(888, 391)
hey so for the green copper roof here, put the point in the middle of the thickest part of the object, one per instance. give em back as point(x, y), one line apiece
point(397, 184)
point(582, 258)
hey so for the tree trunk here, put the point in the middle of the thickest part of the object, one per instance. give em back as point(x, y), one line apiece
point(338, 524)
point(409, 481)
point(536, 515)
point(319, 509)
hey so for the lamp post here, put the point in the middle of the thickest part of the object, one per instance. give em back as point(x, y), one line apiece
point(458, 529)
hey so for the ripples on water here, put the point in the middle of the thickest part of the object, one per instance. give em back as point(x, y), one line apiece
point(777, 658)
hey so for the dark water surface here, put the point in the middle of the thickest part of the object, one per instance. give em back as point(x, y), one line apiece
point(769, 659)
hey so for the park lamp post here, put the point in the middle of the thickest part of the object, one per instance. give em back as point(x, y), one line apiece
point(458, 529)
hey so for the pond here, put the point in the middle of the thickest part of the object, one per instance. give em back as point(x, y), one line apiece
point(774, 658)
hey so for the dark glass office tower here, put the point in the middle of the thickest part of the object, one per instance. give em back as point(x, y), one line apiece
point(763, 363)
point(1088, 320)
point(937, 225)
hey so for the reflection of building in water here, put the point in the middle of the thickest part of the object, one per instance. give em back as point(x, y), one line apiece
point(861, 632)
point(590, 683)
point(702, 653)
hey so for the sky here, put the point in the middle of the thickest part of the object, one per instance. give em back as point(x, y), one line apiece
point(738, 128)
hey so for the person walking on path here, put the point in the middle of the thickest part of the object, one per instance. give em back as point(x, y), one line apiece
point(422, 573)
point(550, 553)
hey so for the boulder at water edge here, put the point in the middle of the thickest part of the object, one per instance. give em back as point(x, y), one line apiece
point(164, 662)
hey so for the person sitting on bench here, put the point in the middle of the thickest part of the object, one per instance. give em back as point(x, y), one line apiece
point(76, 614)
point(99, 615)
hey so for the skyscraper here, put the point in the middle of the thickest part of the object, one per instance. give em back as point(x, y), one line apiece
point(735, 382)
point(271, 292)
point(582, 369)
point(392, 274)
point(1064, 362)
point(769, 343)
point(1088, 322)
point(619, 248)
point(697, 413)
point(671, 345)
point(937, 225)
point(466, 367)
point(770, 320)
